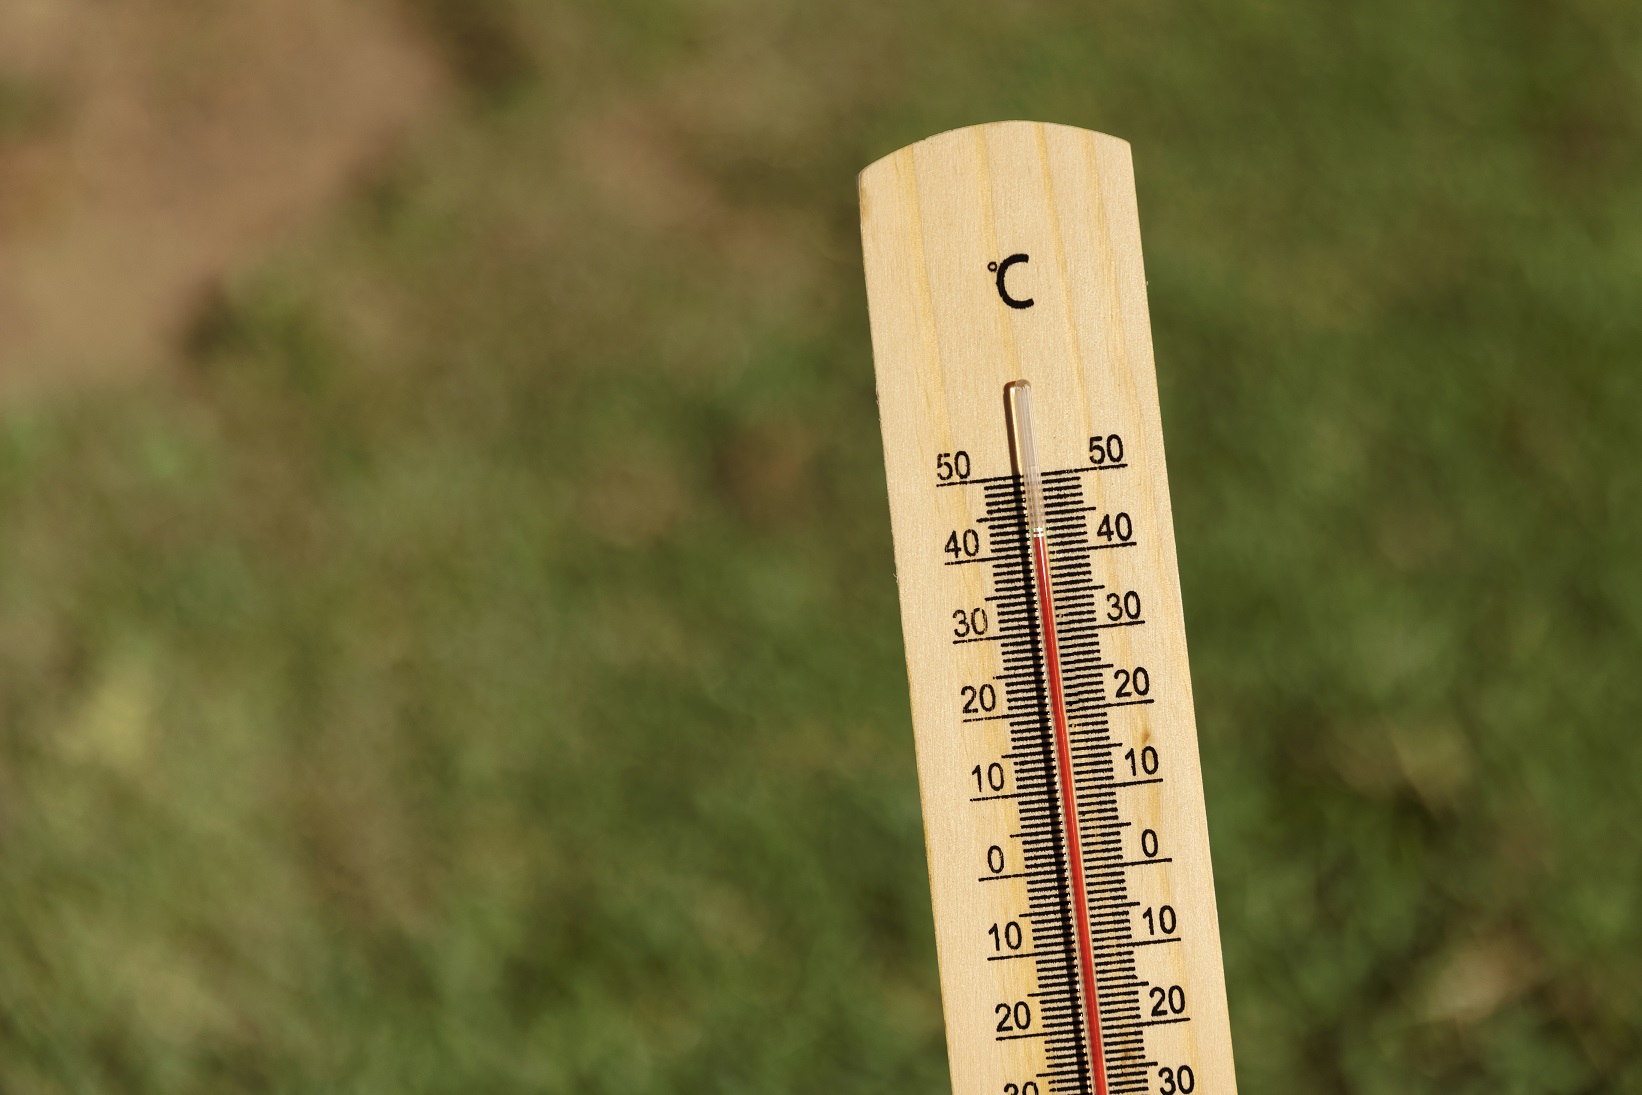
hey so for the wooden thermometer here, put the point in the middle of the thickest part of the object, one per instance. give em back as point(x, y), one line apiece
point(1040, 601)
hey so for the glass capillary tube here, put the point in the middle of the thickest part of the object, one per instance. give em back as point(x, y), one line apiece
point(1017, 402)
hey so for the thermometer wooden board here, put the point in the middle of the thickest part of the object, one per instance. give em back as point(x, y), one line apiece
point(1040, 602)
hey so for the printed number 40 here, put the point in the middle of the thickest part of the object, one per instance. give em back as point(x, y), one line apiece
point(963, 545)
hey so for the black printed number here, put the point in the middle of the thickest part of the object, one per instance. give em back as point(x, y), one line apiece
point(1176, 1081)
point(1028, 1088)
point(965, 544)
point(1116, 526)
point(1008, 935)
point(994, 859)
point(1164, 921)
point(1123, 606)
point(984, 698)
point(952, 467)
point(1148, 761)
point(1135, 682)
point(971, 623)
point(1106, 450)
point(1017, 1016)
point(1170, 1001)
point(1148, 843)
point(992, 779)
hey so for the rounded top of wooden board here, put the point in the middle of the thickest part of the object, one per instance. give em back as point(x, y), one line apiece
point(974, 132)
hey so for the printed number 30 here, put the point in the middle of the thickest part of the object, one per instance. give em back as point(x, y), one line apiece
point(1176, 1081)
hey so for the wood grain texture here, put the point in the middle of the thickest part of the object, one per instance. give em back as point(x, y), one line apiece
point(934, 216)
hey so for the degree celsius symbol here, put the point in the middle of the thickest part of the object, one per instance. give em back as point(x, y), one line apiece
point(1002, 270)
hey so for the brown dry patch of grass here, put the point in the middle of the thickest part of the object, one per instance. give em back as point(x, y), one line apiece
point(158, 147)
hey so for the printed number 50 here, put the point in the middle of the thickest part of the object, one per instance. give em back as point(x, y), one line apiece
point(1106, 450)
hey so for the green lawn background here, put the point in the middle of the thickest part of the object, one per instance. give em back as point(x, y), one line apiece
point(475, 665)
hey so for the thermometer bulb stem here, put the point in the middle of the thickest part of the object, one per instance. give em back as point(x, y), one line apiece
point(1023, 454)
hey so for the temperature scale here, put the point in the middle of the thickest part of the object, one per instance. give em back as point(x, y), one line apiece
point(1040, 601)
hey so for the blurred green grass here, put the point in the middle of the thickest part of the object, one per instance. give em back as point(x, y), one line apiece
point(475, 665)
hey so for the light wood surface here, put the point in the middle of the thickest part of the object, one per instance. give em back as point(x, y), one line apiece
point(935, 218)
